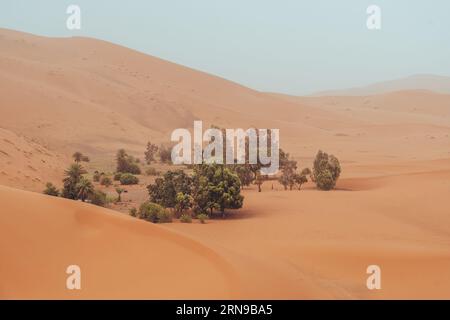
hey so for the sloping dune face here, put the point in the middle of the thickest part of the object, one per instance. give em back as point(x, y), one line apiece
point(119, 257)
point(27, 164)
point(97, 95)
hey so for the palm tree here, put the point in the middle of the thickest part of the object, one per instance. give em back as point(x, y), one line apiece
point(77, 156)
point(75, 171)
point(73, 176)
point(85, 188)
point(119, 192)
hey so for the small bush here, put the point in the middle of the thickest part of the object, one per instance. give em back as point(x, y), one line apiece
point(106, 181)
point(185, 218)
point(51, 190)
point(326, 170)
point(164, 216)
point(133, 212)
point(325, 180)
point(96, 177)
point(152, 172)
point(154, 213)
point(117, 176)
point(98, 198)
point(126, 163)
point(202, 217)
point(133, 168)
point(165, 154)
point(128, 178)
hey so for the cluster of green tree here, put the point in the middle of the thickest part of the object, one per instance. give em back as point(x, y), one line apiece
point(289, 177)
point(127, 163)
point(325, 174)
point(102, 178)
point(77, 187)
point(127, 167)
point(211, 187)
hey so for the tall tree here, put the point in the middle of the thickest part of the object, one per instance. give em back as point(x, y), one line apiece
point(216, 187)
point(85, 189)
point(77, 156)
point(326, 170)
point(73, 176)
point(288, 167)
point(119, 193)
point(165, 190)
point(244, 173)
point(150, 153)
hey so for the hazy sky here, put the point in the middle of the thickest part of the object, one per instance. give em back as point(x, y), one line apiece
point(290, 46)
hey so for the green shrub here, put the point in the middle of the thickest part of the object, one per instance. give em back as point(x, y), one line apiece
point(106, 181)
point(152, 172)
point(51, 190)
point(164, 216)
point(128, 178)
point(133, 212)
point(326, 171)
point(202, 217)
point(98, 198)
point(165, 154)
point(117, 176)
point(185, 218)
point(96, 177)
point(325, 180)
point(154, 213)
point(126, 163)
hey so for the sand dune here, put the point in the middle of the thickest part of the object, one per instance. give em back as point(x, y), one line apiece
point(119, 257)
point(431, 82)
point(27, 164)
point(84, 94)
point(283, 244)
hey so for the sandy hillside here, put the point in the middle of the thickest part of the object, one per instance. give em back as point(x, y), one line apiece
point(97, 95)
point(431, 82)
point(26, 164)
point(84, 94)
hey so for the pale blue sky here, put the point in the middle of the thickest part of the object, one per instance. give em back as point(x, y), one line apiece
point(290, 46)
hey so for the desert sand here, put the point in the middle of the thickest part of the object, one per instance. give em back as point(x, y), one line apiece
point(390, 207)
point(119, 256)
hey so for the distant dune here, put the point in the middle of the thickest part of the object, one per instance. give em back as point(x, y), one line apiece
point(439, 84)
